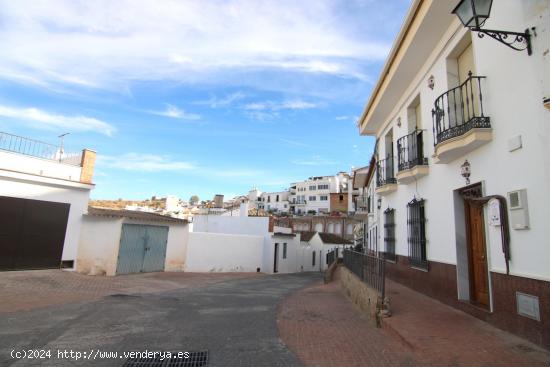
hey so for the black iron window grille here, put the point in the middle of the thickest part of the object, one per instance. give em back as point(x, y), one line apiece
point(389, 234)
point(284, 250)
point(416, 233)
point(384, 172)
point(459, 110)
point(410, 151)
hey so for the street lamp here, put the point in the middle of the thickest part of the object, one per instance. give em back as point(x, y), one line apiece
point(474, 13)
point(465, 170)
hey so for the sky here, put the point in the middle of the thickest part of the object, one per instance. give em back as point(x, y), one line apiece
point(198, 97)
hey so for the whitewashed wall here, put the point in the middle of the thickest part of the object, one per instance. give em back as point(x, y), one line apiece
point(98, 247)
point(38, 166)
point(512, 95)
point(76, 195)
point(100, 240)
point(222, 252)
point(231, 225)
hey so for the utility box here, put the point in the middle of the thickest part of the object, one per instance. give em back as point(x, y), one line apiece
point(519, 211)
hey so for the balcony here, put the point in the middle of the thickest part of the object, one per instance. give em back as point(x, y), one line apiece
point(385, 179)
point(411, 163)
point(459, 123)
point(361, 204)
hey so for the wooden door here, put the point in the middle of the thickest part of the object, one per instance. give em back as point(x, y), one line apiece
point(479, 288)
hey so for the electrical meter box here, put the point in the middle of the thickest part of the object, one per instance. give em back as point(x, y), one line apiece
point(519, 212)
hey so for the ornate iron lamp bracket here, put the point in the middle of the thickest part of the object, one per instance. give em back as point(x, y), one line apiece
point(515, 40)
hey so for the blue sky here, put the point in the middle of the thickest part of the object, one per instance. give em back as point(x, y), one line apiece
point(196, 97)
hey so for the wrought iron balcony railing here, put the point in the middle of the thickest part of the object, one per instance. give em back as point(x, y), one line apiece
point(38, 149)
point(384, 172)
point(410, 151)
point(459, 110)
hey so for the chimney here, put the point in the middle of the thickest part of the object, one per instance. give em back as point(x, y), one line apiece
point(88, 164)
point(218, 201)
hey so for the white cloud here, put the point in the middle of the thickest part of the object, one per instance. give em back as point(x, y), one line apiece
point(295, 143)
point(226, 101)
point(176, 113)
point(143, 163)
point(276, 106)
point(41, 119)
point(110, 44)
point(346, 117)
point(315, 161)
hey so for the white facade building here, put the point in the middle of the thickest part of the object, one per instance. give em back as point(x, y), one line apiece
point(276, 202)
point(450, 103)
point(313, 196)
point(42, 198)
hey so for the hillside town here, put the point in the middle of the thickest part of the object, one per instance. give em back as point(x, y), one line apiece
point(431, 251)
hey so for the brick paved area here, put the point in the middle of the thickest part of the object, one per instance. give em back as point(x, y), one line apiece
point(321, 326)
point(442, 335)
point(27, 290)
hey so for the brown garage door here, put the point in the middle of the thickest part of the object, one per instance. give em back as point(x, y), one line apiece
point(32, 233)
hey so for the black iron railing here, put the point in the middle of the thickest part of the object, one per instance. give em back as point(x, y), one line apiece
point(331, 257)
point(370, 269)
point(384, 172)
point(459, 110)
point(410, 151)
point(38, 149)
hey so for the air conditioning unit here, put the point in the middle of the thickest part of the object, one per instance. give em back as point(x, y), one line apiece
point(519, 213)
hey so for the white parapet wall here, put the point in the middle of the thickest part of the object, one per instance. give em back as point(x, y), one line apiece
point(222, 252)
point(257, 226)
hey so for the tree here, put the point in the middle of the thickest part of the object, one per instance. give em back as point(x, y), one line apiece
point(194, 199)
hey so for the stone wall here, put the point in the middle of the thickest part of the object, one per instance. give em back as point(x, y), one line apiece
point(364, 297)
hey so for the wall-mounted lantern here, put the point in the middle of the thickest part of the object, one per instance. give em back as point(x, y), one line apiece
point(465, 170)
point(474, 13)
point(379, 203)
point(431, 82)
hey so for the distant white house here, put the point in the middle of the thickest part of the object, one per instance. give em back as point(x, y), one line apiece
point(322, 195)
point(43, 193)
point(276, 202)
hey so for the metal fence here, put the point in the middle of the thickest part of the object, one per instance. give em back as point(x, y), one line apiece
point(370, 269)
point(38, 149)
point(331, 257)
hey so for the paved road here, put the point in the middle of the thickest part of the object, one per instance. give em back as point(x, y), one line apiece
point(235, 320)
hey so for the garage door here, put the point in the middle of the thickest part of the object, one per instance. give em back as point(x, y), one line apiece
point(32, 233)
point(142, 249)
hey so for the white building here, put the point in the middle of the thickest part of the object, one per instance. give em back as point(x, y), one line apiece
point(320, 195)
point(450, 103)
point(276, 202)
point(43, 195)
